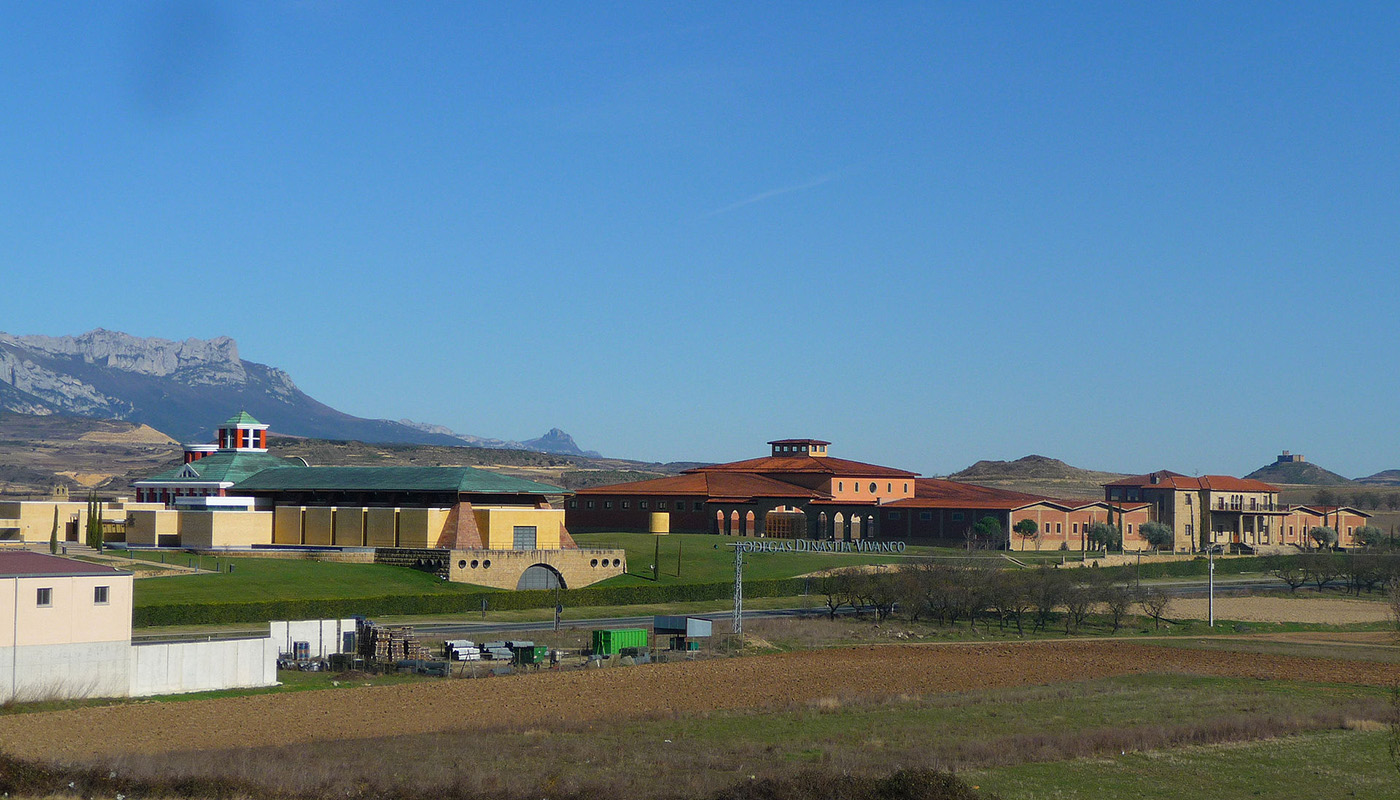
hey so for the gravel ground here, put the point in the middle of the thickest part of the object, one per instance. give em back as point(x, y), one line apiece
point(1331, 610)
point(532, 701)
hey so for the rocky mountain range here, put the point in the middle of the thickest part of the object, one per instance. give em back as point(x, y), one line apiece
point(186, 388)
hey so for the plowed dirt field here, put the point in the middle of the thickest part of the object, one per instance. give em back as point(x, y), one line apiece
point(618, 693)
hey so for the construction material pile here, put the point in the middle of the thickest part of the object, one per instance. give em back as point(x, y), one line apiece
point(385, 645)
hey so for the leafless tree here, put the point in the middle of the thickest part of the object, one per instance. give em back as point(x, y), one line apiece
point(1155, 603)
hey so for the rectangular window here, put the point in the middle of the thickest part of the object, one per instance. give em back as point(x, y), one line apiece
point(660, 505)
point(607, 504)
point(957, 516)
point(99, 595)
point(1074, 528)
point(45, 598)
point(1130, 528)
point(524, 537)
point(925, 516)
point(626, 503)
point(699, 505)
point(894, 515)
point(573, 504)
point(642, 504)
point(590, 503)
point(1058, 529)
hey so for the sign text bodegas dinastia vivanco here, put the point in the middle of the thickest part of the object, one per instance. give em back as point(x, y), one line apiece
point(816, 546)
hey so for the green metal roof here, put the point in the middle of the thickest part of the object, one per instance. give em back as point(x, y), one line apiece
point(241, 418)
point(226, 465)
point(466, 480)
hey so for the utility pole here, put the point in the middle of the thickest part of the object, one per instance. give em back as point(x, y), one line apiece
point(1210, 603)
point(679, 545)
point(738, 590)
point(656, 561)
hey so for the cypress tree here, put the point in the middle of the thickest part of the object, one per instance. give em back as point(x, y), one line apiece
point(53, 535)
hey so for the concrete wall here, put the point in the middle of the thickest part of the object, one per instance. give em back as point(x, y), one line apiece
point(201, 666)
point(64, 671)
point(421, 527)
point(319, 525)
point(497, 525)
point(286, 524)
point(501, 569)
point(382, 527)
point(225, 528)
point(349, 526)
point(149, 527)
point(325, 636)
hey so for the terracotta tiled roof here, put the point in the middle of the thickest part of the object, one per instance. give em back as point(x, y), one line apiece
point(1166, 479)
point(23, 563)
point(800, 464)
point(715, 485)
point(937, 493)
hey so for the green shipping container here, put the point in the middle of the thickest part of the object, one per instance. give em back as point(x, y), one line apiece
point(532, 655)
point(611, 642)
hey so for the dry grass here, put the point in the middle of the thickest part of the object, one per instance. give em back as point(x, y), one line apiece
point(1325, 610)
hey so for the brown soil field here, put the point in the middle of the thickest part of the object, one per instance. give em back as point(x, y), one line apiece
point(1329, 610)
point(532, 701)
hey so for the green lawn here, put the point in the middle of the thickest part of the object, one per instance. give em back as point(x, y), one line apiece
point(255, 579)
point(706, 558)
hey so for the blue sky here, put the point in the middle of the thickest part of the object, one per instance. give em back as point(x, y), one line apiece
point(1131, 236)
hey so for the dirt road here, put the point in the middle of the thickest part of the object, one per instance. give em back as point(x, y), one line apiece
point(533, 701)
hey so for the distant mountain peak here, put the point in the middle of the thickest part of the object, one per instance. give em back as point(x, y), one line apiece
point(557, 441)
point(185, 388)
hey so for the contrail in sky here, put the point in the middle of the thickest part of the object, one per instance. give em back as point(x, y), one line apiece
point(761, 196)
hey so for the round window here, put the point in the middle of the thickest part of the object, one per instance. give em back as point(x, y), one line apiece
point(486, 564)
point(593, 563)
point(617, 562)
point(462, 564)
point(872, 488)
point(475, 563)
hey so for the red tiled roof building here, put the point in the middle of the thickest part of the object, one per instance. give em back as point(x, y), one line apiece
point(798, 491)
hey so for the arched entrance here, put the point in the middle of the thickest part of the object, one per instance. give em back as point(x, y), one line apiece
point(733, 523)
point(839, 531)
point(719, 522)
point(785, 523)
point(823, 526)
point(748, 523)
point(855, 527)
point(541, 576)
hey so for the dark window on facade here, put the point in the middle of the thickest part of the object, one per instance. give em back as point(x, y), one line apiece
point(99, 595)
point(607, 504)
point(573, 504)
point(642, 504)
point(661, 505)
point(957, 516)
point(894, 515)
point(590, 503)
point(925, 516)
point(44, 597)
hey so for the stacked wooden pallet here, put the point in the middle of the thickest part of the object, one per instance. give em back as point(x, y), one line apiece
point(389, 645)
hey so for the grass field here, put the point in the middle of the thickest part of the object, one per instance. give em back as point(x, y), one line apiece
point(1323, 764)
point(1167, 736)
point(707, 559)
point(256, 579)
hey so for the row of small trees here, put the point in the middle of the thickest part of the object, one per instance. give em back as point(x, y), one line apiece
point(1359, 570)
point(949, 594)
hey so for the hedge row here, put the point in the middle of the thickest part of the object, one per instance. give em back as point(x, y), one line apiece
point(1199, 567)
point(444, 603)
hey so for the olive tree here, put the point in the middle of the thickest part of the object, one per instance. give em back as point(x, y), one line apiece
point(1106, 536)
point(1159, 535)
point(1325, 537)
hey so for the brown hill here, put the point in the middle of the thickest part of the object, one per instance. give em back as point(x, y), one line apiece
point(40, 452)
point(1039, 475)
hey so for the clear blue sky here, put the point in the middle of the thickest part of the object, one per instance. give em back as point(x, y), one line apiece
point(1131, 236)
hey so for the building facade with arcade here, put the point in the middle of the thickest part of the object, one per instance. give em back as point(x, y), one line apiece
point(798, 491)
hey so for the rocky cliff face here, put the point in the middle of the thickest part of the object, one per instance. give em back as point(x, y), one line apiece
point(184, 389)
